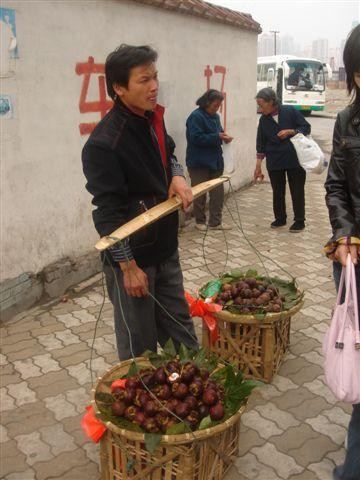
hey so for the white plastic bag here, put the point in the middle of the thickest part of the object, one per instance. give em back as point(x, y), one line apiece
point(309, 154)
point(229, 165)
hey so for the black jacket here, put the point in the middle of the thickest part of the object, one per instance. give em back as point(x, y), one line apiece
point(343, 180)
point(126, 176)
point(280, 154)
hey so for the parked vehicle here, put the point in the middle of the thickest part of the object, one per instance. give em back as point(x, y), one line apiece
point(300, 82)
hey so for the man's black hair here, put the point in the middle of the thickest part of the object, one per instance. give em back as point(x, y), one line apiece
point(351, 58)
point(209, 97)
point(268, 95)
point(119, 63)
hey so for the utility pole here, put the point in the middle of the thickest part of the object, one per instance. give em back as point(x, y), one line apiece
point(275, 32)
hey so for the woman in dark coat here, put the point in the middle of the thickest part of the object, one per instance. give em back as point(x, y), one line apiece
point(204, 160)
point(343, 202)
point(278, 123)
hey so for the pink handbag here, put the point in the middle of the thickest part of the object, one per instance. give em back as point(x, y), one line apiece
point(341, 345)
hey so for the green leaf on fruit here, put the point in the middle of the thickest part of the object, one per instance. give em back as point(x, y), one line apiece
point(152, 440)
point(236, 273)
point(178, 429)
point(251, 273)
point(260, 317)
point(105, 398)
point(169, 348)
point(205, 423)
point(184, 355)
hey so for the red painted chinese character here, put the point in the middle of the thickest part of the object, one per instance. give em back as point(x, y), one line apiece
point(102, 105)
point(208, 73)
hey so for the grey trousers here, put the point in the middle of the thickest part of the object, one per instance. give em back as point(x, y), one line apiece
point(216, 202)
point(146, 321)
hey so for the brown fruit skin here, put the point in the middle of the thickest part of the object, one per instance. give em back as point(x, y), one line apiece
point(241, 285)
point(193, 419)
point(160, 375)
point(130, 413)
point(196, 388)
point(238, 301)
point(164, 392)
point(251, 282)
point(276, 308)
point(150, 408)
point(144, 398)
point(148, 380)
point(171, 404)
point(247, 293)
point(180, 390)
point(210, 397)
point(225, 295)
point(150, 425)
point(256, 293)
point(203, 411)
point(261, 288)
point(118, 393)
point(259, 300)
point(234, 291)
point(172, 367)
point(265, 297)
point(129, 395)
point(226, 287)
point(191, 401)
point(139, 418)
point(182, 410)
point(138, 394)
point(217, 412)
point(162, 420)
point(132, 383)
point(118, 408)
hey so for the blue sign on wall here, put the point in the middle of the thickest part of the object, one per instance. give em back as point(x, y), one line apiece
point(8, 27)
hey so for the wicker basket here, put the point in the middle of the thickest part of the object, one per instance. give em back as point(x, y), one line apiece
point(201, 455)
point(257, 348)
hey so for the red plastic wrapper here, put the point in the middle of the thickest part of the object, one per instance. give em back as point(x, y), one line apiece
point(121, 383)
point(199, 308)
point(92, 426)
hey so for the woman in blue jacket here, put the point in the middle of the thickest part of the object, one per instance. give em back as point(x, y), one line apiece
point(278, 123)
point(204, 160)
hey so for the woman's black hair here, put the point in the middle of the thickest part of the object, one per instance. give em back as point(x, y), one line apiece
point(351, 58)
point(209, 97)
point(269, 95)
point(119, 63)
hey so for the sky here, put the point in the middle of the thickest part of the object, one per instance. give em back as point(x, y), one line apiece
point(304, 20)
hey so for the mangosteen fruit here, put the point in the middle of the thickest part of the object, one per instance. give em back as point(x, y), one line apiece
point(217, 412)
point(118, 408)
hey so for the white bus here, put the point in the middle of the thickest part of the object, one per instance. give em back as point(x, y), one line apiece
point(299, 82)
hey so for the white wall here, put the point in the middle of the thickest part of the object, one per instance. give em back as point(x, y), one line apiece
point(46, 212)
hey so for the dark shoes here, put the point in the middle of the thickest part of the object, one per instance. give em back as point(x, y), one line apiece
point(277, 223)
point(297, 227)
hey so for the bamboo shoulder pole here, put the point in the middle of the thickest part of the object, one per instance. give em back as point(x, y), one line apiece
point(155, 213)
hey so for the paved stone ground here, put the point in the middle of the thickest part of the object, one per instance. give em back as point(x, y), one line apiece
point(293, 429)
point(335, 101)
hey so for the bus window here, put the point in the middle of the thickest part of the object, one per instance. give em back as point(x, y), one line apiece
point(258, 73)
point(305, 75)
point(264, 71)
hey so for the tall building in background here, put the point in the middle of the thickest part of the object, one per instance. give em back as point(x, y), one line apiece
point(266, 45)
point(320, 49)
point(285, 45)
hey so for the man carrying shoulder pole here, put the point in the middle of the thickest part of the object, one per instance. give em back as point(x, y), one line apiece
point(130, 166)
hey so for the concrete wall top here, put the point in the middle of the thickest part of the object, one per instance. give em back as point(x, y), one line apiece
point(62, 45)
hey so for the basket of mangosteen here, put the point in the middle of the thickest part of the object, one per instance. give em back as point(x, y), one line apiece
point(170, 416)
point(254, 323)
